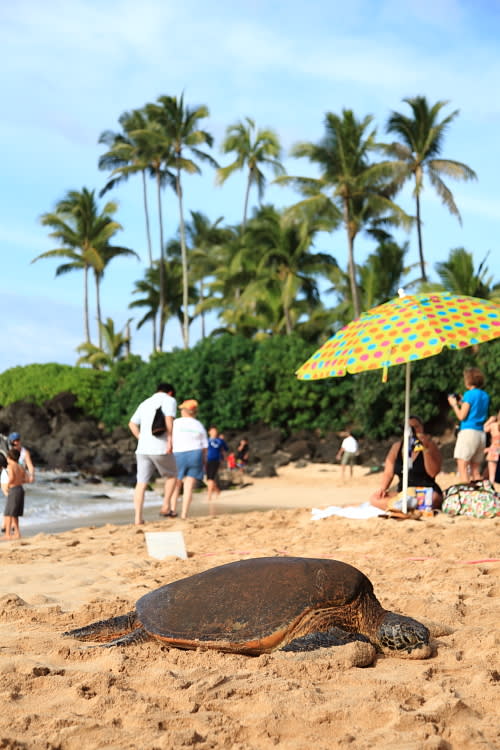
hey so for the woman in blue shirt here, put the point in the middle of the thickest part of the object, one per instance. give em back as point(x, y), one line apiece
point(472, 411)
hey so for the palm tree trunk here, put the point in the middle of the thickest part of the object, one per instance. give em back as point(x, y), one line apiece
point(419, 235)
point(351, 264)
point(148, 238)
point(86, 304)
point(185, 280)
point(98, 309)
point(247, 195)
point(162, 267)
point(128, 340)
point(202, 314)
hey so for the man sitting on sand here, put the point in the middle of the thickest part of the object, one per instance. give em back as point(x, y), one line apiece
point(425, 462)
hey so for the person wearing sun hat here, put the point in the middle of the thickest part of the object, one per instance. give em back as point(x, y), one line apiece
point(190, 443)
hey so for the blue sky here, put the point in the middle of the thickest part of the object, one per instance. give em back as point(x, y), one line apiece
point(70, 69)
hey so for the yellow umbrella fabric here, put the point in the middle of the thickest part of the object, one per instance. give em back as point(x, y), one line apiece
point(405, 329)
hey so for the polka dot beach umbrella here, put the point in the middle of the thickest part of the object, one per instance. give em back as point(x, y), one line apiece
point(407, 328)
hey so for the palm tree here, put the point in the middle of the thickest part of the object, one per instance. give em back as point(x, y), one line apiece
point(115, 346)
point(421, 140)
point(254, 150)
point(206, 239)
point(287, 263)
point(100, 260)
point(149, 289)
point(458, 276)
point(273, 263)
point(179, 131)
point(84, 234)
point(152, 142)
point(351, 190)
point(126, 157)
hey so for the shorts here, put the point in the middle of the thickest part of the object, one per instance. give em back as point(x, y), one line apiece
point(347, 458)
point(212, 468)
point(15, 502)
point(147, 464)
point(470, 446)
point(189, 464)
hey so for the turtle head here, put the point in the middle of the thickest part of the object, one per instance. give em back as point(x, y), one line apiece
point(403, 636)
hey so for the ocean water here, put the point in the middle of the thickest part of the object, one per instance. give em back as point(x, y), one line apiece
point(62, 500)
point(59, 501)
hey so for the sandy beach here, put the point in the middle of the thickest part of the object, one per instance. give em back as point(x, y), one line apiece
point(60, 693)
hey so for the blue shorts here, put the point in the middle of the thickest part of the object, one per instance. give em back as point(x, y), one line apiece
point(189, 464)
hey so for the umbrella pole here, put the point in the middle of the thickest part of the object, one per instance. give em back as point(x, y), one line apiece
point(406, 437)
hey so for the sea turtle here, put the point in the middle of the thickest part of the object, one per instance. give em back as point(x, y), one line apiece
point(257, 606)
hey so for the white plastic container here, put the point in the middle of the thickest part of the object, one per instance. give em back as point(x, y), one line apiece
point(162, 544)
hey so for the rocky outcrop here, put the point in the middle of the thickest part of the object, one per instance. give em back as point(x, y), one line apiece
point(60, 436)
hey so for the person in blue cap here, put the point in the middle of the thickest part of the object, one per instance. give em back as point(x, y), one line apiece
point(24, 455)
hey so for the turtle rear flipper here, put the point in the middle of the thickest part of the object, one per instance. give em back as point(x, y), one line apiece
point(105, 630)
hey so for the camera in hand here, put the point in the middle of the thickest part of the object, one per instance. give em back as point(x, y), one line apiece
point(457, 396)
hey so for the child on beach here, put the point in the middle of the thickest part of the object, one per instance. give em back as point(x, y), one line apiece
point(217, 448)
point(492, 425)
point(12, 487)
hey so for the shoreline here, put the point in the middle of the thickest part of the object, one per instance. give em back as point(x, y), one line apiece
point(315, 485)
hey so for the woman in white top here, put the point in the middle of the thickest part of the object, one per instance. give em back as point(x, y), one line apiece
point(190, 443)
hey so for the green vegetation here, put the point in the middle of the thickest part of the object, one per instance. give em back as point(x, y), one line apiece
point(240, 382)
point(38, 383)
point(264, 278)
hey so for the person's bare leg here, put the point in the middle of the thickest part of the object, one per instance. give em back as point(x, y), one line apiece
point(379, 502)
point(189, 484)
point(475, 471)
point(170, 483)
point(9, 522)
point(175, 495)
point(139, 493)
point(492, 471)
point(15, 524)
point(463, 474)
point(210, 489)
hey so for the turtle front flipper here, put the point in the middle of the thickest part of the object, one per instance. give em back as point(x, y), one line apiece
point(106, 630)
point(138, 635)
point(332, 637)
point(404, 636)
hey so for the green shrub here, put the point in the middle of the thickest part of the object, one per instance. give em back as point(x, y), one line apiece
point(239, 382)
point(38, 383)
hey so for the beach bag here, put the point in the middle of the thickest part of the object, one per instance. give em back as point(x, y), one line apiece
point(158, 426)
point(476, 499)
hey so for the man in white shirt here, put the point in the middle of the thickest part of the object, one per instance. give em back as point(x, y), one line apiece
point(347, 453)
point(154, 451)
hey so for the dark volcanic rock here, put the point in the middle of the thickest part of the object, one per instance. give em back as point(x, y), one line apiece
point(27, 419)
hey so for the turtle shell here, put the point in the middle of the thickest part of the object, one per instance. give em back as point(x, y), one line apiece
point(253, 606)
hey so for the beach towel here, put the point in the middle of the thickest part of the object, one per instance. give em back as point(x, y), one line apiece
point(366, 510)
